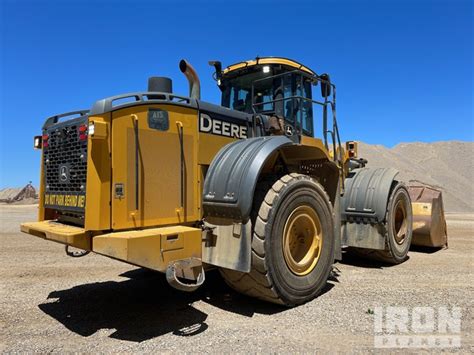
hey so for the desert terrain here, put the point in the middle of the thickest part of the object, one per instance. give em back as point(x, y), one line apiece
point(54, 303)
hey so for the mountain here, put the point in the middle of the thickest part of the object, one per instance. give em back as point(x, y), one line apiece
point(447, 165)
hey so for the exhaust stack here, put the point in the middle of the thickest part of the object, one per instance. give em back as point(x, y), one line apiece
point(193, 79)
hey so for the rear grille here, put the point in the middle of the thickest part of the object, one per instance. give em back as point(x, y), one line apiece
point(65, 167)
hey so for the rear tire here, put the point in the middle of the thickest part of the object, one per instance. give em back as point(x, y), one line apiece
point(292, 242)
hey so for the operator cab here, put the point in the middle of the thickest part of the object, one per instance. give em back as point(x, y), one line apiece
point(272, 86)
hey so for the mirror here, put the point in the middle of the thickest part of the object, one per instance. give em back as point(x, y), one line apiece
point(325, 85)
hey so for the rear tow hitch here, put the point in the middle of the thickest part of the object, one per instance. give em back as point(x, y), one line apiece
point(186, 269)
point(76, 253)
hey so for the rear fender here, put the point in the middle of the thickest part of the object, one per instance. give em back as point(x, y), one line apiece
point(229, 189)
point(232, 176)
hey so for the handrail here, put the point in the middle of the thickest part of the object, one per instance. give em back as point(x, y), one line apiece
point(335, 137)
point(288, 98)
point(107, 104)
point(54, 119)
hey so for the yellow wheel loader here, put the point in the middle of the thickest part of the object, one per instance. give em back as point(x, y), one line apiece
point(258, 187)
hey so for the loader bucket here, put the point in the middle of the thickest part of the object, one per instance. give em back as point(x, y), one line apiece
point(429, 223)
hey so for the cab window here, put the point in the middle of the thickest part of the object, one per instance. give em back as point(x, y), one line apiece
point(272, 96)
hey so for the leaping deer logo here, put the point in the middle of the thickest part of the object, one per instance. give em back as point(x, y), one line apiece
point(63, 173)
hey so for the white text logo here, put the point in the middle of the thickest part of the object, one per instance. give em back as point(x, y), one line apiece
point(221, 128)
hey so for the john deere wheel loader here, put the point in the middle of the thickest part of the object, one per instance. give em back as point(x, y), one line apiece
point(255, 187)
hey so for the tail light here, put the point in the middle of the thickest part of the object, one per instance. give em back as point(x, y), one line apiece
point(45, 139)
point(83, 132)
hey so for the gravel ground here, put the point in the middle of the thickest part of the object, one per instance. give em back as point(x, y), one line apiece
point(52, 303)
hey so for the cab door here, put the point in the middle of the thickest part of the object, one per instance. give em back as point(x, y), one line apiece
point(154, 166)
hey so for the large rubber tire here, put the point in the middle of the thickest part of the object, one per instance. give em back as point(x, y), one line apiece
point(398, 223)
point(270, 278)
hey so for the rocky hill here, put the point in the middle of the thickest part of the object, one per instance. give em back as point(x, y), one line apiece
point(447, 165)
point(25, 195)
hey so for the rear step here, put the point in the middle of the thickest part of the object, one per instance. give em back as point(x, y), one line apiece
point(62, 233)
point(154, 248)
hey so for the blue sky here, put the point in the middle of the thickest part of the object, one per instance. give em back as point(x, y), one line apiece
point(403, 69)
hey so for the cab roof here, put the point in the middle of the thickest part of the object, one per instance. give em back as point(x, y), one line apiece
point(269, 61)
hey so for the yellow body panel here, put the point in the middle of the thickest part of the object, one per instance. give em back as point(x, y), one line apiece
point(269, 61)
point(101, 128)
point(209, 146)
point(313, 142)
point(159, 185)
point(41, 210)
point(153, 248)
point(58, 232)
point(97, 215)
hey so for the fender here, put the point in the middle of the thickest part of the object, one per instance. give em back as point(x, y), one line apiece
point(229, 189)
point(366, 194)
point(230, 181)
point(364, 206)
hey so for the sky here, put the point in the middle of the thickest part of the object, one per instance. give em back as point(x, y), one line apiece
point(403, 69)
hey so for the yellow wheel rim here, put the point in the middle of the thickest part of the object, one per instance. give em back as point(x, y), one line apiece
point(400, 226)
point(302, 240)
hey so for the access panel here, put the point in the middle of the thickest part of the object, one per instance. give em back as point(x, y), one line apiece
point(154, 166)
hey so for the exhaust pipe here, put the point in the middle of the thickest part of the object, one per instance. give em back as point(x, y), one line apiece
point(193, 79)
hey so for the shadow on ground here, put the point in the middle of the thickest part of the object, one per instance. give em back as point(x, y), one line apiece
point(353, 258)
point(362, 259)
point(144, 306)
point(425, 250)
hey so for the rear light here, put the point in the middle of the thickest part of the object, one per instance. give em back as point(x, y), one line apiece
point(91, 128)
point(38, 140)
point(45, 139)
point(83, 132)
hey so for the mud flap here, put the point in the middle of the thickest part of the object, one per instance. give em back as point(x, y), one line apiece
point(227, 244)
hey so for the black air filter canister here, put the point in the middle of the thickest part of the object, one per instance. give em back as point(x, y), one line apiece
point(160, 84)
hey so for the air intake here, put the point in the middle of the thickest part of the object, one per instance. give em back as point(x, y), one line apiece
point(160, 84)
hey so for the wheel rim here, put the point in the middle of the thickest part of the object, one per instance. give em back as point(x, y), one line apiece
point(302, 240)
point(399, 225)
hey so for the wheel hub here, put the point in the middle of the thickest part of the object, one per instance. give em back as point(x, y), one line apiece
point(400, 222)
point(302, 240)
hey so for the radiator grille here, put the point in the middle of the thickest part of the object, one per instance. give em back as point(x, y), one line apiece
point(65, 166)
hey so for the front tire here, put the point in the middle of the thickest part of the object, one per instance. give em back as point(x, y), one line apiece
point(292, 242)
point(398, 227)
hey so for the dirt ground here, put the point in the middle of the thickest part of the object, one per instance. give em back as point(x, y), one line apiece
point(53, 303)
